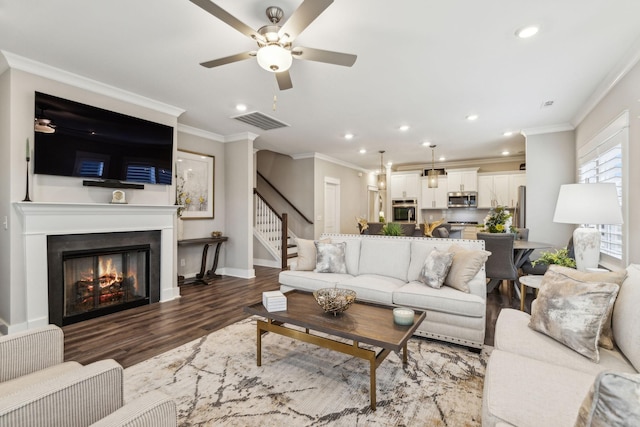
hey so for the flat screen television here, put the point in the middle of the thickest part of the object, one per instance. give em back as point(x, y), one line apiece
point(84, 141)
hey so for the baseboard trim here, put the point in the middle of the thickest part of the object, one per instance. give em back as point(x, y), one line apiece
point(237, 272)
point(267, 263)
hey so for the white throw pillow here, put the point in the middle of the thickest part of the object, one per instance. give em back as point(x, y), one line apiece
point(307, 254)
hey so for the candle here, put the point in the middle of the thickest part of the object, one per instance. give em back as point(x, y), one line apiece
point(403, 316)
point(28, 150)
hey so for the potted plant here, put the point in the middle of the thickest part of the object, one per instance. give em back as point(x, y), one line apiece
point(498, 220)
point(558, 257)
point(392, 229)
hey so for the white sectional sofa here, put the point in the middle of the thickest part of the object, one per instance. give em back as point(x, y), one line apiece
point(385, 270)
point(534, 380)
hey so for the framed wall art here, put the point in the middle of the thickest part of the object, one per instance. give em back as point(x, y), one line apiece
point(194, 184)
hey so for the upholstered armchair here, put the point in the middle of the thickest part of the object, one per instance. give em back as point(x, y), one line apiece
point(37, 388)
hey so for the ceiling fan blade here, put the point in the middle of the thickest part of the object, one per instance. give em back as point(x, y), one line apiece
point(319, 55)
point(304, 15)
point(227, 18)
point(228, 59)
point(284, 80)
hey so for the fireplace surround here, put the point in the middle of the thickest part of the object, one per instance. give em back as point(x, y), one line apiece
point(43, 219)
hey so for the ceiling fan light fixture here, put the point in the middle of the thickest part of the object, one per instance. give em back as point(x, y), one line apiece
point(274, 58)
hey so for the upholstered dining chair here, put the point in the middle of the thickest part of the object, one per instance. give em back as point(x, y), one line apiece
point(500, 265)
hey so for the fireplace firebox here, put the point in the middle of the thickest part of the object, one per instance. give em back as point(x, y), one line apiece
point(94, 274)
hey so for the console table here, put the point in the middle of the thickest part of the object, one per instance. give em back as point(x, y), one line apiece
point(206, 241)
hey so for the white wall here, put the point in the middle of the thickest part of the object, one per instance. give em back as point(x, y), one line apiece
point(550, 163)
point(625, 95)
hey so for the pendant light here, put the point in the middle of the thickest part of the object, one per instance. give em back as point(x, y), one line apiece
point(382, 177)
point(432, 174)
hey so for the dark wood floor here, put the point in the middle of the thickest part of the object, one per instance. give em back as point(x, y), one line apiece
point(135, 335)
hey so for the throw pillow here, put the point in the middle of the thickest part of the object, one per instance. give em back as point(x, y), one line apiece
point(617, 277)
point(612, 401)
point(307, 254)
point(330, 257)
point(573, 312)
point(466, 264)
point(435, 268)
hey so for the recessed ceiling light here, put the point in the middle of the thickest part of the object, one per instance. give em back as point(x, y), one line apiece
point(404, 128)
point(426, 144)
point(505, 153)
point(526, 32)
point(442, 159)
point(508, 133)
point(389, 164)
point(472, 117)
point(363, 150)
point(241, 107)
point(348, 135)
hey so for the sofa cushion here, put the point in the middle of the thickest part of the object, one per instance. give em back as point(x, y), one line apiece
point(306, 260)
point(573, 312)
point(614, 400)
point(445, 299)
point(625, 320)
point(330, 257)
point(419, 252)
point(310, 280)
point(526, 392)
point(465, 266)
point(617, 277)
point(435, 268)
point(385, 257)
point(373, 287)
point(513, 334)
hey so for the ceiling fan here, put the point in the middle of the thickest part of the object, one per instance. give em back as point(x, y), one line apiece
point(275, 51)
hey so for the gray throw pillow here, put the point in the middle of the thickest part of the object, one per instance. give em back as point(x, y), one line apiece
point(330, 257)
point(573, 312)
point(435, 268)
point(613, 401)
point(617, 277)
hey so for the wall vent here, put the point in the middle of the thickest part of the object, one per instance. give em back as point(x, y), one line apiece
point(261, 120)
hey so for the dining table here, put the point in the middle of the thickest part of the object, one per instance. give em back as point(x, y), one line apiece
point(523, 248)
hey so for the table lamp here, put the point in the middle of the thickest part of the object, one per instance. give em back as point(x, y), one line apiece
point(587, 204)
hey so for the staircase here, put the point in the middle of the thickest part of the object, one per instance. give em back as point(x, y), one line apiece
point(271, 230)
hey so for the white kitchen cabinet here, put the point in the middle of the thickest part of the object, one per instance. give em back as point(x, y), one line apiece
point(462, 180)
point(405, 186)
point(499, 189)
point(434, 198)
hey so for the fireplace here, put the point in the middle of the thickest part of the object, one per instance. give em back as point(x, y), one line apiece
point(94, 274)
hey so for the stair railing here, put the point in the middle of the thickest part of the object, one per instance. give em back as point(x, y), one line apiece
point(273, 228)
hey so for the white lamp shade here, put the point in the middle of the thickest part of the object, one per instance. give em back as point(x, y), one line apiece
point(588, 204)
point(274, 58)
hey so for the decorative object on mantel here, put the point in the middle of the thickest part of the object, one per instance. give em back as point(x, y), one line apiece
point(26, 197)
point(334, 300)
point(216, 233)
point(119, 197)
point(498, 220)
point(588, 204)
point(194, 185)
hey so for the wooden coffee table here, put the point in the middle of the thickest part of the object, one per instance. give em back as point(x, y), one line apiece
point(361, 323)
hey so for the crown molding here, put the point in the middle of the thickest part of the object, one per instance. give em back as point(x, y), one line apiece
point(326, 158)
point(471, 163)
point(560, 127)
point(242, 136)
point(39, 69)
point(201, 133)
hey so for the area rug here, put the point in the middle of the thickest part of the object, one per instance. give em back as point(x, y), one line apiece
point(215, 382)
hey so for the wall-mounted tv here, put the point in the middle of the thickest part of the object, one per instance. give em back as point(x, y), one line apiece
point(74, 139)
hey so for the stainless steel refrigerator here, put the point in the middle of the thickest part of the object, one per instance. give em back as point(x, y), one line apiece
point(521, 208)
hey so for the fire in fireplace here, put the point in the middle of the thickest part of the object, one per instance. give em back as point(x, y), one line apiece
point(94, 281)
point(94, 274)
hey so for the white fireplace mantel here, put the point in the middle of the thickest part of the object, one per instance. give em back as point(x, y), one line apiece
point(42, 219)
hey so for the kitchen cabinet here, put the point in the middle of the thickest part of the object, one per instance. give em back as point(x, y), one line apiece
point(434, 198)
point(405, 185)
point(499, 189)
point(462, 180)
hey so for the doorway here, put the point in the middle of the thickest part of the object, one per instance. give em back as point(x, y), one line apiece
point(331, 205)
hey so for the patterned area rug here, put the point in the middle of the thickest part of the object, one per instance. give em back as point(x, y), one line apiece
point(215, 381)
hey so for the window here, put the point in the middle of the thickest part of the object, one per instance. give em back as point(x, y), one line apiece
point(601, 160)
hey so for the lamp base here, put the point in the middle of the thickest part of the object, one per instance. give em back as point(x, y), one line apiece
point(586, 244)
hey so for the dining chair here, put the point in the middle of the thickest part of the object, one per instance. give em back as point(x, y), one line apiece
point(500, 265)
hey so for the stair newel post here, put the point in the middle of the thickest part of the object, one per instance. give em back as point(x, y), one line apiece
point(283, 242)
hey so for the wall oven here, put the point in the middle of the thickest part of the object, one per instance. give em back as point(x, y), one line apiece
point(466, 199)
point(404, 210)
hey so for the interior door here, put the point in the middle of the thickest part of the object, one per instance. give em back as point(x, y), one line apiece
point(331, 205)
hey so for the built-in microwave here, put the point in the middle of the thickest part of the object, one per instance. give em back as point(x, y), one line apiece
point(404, 210)
point(465, 199)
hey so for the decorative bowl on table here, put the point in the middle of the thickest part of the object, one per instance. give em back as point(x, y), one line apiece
point(334, 300)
